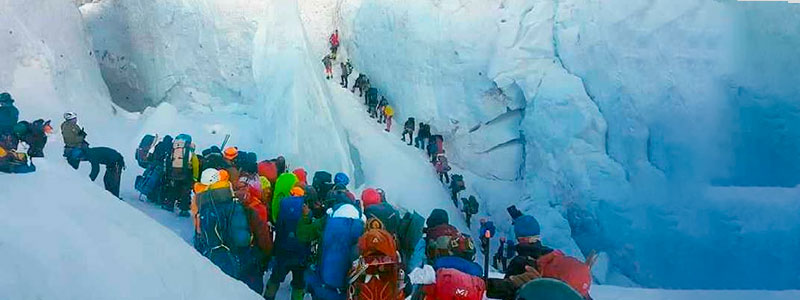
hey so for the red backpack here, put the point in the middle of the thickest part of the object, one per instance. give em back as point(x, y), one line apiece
point(574, 272)
point(452, 284)
point(258, 218)
point(379, 274)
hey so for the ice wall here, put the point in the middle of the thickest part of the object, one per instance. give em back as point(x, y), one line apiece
point(627, 112)
point(194, 53)
point(296, 106)
point(238, 60)
point(44, 56)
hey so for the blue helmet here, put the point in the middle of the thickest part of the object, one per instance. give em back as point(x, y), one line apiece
point(341, 178)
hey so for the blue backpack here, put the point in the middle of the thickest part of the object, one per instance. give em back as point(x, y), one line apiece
point(291, 210)
point(339, 240)
point(150, 181)
point(241, 237)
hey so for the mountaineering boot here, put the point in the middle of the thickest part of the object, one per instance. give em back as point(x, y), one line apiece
point(298, 294)
point(271, 291)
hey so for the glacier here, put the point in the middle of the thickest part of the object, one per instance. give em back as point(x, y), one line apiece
point(663, 134)
point(633, 113)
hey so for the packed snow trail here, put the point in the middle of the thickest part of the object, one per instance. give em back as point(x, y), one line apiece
point(402, 171)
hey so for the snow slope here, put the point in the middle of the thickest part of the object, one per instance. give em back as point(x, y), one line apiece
point(73, 240)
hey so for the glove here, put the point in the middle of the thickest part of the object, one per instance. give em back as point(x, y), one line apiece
point(521, 279)
point(424, 275)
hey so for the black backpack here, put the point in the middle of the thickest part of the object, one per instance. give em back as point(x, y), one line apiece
point(473, 205)
point(322, 182)
point(143, 151)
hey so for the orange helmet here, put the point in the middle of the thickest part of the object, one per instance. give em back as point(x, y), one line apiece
point(297, 192)
point(230, 153)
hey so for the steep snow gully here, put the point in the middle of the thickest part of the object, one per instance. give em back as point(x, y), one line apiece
point(662, 133)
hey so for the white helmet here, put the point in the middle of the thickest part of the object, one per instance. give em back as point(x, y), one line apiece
point(348, 211)
point(70, 116)
point(209, 176)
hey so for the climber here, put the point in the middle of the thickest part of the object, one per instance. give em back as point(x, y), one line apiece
point(212, 205)
point(408, 129)
point(423, 134)
point(470, 208)
point(438, 233)
point(328, 62)
point(376, 207)
point(250, 192)
point(114, 165)
point(34, 135)
point(340, 182)
point(347, 69)
point(327, 278)
point(13, 162)
point(231, 157)
point(456, 186)
point(381, 106)
point(379, 271)
point(389, 112)
point(431, 150)
point(535, 260)
point(372, 102)
point(366, 86)
point(9, 116)
point(291, 253)
point(499, 260)
point(75, 144)
point(180, 172)
point(442, 167)
point(360, 83)
point(334, 43)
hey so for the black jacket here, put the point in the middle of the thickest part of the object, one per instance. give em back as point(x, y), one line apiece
point(424, 131)
point(103, 156)
point(526, 256)
point(410, 125)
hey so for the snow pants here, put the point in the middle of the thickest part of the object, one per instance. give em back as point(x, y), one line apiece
point(410, 134)
point(252, 266)
point(111, 179)
point(388, 123)
point(444, 177)
point(344, 80)
point(177, 191)
point(282, 268)
point(419, 142)
point(319, 291)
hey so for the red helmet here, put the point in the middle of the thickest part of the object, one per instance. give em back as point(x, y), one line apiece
point(370, 197)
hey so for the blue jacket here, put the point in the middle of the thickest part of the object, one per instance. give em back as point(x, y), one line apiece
point(339, 240)
point(458, 263)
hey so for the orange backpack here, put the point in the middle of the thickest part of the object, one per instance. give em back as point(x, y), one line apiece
point(379, 274)
point(574, 272)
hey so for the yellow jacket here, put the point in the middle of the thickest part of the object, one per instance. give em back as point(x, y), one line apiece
point(388, 111)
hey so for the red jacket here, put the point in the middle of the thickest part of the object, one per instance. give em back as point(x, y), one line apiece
point(334, 40)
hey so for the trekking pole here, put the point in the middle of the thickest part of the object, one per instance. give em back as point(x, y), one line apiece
point(225, 141)
point(487, 235)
